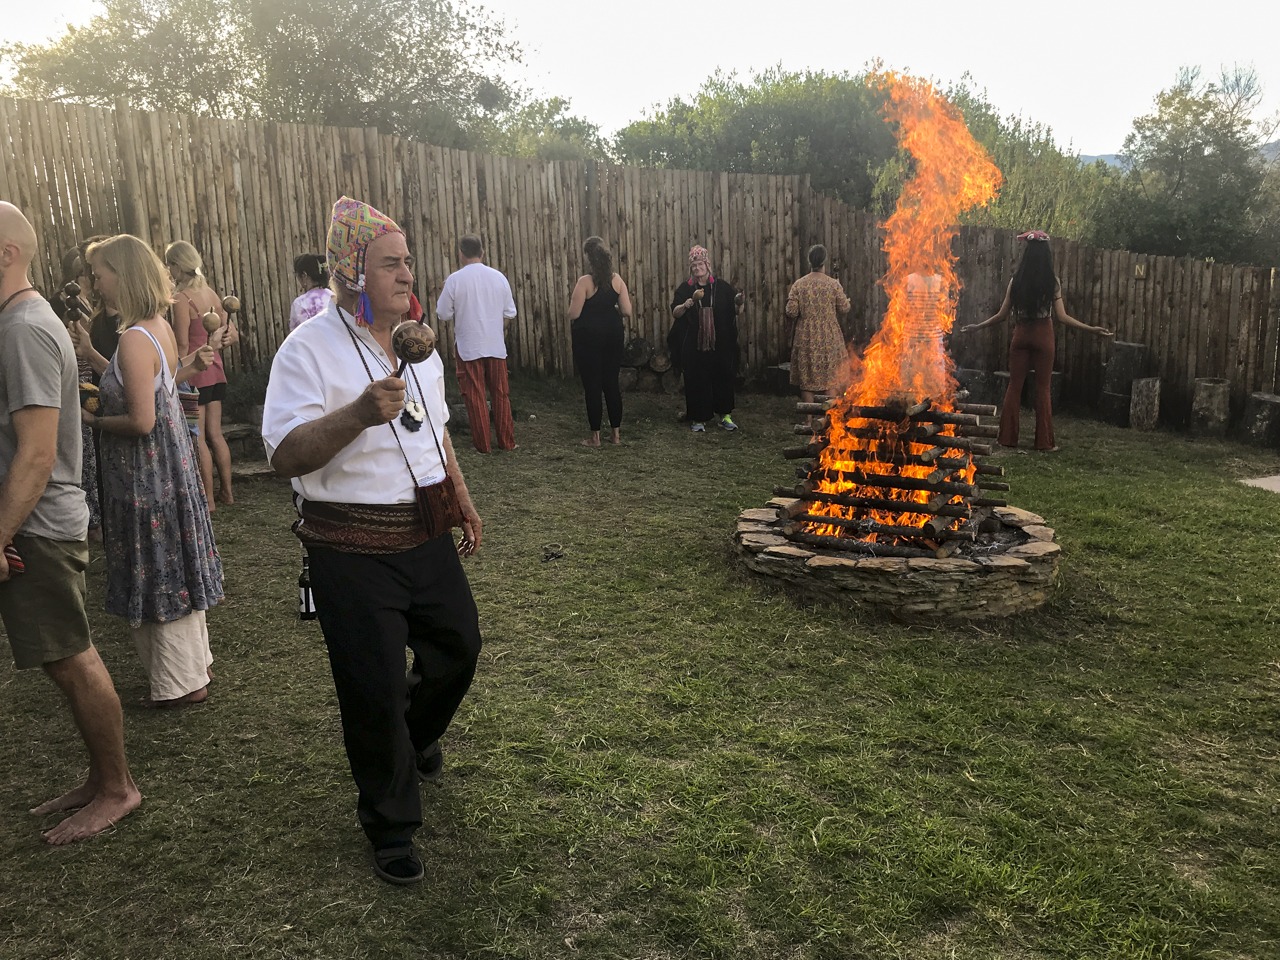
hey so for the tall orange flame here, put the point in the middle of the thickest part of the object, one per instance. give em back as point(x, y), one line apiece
point(906, 360)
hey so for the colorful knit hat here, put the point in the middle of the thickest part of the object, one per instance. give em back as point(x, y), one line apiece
point(699, 255)
point(354, 226)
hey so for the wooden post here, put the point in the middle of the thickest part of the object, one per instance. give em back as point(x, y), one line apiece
point(134, 215)
point(1144, 404)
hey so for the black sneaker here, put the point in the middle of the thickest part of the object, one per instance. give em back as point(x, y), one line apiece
point(430, 761)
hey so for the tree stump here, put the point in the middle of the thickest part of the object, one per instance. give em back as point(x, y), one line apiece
point(1144, 403)
point(670, 382)
point(660, 362)
point(1210, 407)
point(637, 352)
point(1128, 362)
point(1113, 408)
point(627, 377)
point(1261, 423)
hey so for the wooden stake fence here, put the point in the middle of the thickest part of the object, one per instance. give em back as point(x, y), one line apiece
point(252, 195)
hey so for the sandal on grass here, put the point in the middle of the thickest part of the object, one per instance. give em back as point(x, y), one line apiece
point(399, 865)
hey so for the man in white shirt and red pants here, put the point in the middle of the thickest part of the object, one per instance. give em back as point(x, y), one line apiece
point(477, 298)
point(379, 492)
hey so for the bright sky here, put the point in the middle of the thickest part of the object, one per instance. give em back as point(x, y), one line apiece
point(1085, 69)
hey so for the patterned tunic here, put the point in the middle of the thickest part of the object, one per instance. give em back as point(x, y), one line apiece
point(818, 352)
point(162, 563)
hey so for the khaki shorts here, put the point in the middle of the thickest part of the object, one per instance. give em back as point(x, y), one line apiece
point(43, 607)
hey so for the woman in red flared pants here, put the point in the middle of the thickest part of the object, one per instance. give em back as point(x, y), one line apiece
point(1034, 298)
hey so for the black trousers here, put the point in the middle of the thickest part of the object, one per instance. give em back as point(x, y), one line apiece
point(708, 383)
point(597, 353)
point(370, 608)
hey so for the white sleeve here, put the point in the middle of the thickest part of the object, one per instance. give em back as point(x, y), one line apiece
point(510, 312)
point(295, 394)
point(444, 306)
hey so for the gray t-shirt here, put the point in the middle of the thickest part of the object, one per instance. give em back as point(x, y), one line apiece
point(38, 369)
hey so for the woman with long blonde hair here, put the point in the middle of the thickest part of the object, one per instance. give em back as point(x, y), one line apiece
point(163, 569)
point(193, 298)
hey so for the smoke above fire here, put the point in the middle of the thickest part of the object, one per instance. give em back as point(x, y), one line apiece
point(951, 173)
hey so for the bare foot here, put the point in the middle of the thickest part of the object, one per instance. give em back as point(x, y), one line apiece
point(101, 813)
point(190, 700)
point(212, 507)
point(616, 438)
point(225, 496)
point(209, 672)
point(592, 441)
point(71, 800)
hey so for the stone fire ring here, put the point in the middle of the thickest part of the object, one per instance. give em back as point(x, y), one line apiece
point(1019, 579)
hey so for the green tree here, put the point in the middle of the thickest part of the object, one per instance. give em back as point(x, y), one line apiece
point(826, 125)
point(1045, 187)
point(421, 68)
point(545, 129)
point(1197, 183)
point(832, 128)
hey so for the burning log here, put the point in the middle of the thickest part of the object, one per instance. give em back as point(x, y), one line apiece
point(800, 453)
point(805, 496)
point(896, 483)
point(864, 547)
point(938, 416)
point(889, 412)
point(867, 527)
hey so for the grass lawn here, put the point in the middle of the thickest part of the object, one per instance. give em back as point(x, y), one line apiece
point(664, 756)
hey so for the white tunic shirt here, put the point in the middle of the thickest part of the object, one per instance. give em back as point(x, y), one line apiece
point(317, 371)
point(477, 299)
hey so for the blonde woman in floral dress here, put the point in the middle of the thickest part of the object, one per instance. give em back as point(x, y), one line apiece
point(818, 352)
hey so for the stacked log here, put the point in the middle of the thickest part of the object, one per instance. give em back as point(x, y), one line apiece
point(897, 435)
point(646, 369)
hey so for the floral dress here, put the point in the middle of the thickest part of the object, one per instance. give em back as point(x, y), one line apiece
point(162, 563)
point(818, 352)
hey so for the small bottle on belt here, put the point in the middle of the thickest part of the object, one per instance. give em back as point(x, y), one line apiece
point(306, 603)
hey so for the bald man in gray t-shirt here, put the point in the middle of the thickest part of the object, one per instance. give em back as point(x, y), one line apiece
point(38, 369)
point(44, 521)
